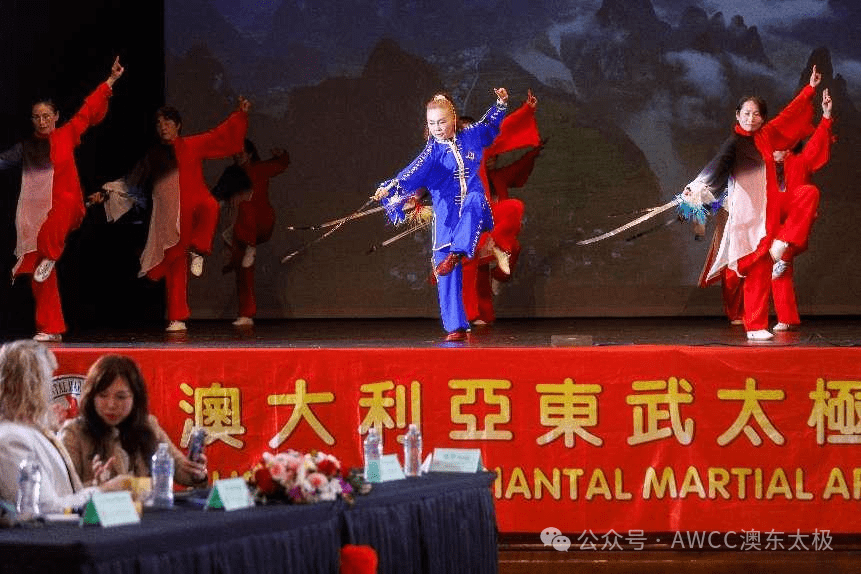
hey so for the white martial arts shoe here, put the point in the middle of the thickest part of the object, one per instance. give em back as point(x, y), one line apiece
point(196, 266)
point(43, 337)
point(248, 258)
point(782, 327)
point(760, 335)
point(777, 249)
point(779, 268)
point(176, 327)
point(43, 271)
point(243, 322)
point(502, 260)
point(227, 236)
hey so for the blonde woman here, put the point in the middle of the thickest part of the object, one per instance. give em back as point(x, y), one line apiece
point(26, 368)
point(449, 168)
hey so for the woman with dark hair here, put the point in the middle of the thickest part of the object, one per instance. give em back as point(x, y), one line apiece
point(115, 434)
point(246, 186)
point(744, 168)
point(449, 168)
point(51, 204)
point(26, 368)
point(184, 213)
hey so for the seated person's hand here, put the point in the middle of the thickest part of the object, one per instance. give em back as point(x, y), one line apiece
point(117, 483)
point(197, 470)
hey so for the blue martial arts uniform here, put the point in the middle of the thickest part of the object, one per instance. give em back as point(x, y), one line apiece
point(449, 170)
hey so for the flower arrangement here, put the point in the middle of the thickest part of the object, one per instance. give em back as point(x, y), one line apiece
point(293, 477)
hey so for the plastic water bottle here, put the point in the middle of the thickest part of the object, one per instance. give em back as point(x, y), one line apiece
point(413, 451)
point(162, 477)
point(29, 484)
point(373, 452)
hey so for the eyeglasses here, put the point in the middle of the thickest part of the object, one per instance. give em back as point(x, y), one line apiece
point(46, 117)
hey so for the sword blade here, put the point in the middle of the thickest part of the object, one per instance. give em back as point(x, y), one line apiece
point(338, 221)
point(652, 213)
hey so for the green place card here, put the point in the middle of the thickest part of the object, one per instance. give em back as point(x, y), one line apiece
point(390, 468)
point(229, 494)
point(110, 509)
point(456, 460)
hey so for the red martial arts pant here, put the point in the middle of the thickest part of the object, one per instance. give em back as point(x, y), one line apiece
point(200, 228)
point(253, 226)
point(62, 219)
point(798, 211)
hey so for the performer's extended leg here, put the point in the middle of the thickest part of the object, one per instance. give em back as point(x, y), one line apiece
point(176, 286)
point(733, 295)
point(757, 286)
point(245, 291)
point(800, 208)
point(507, 223)
point(204, 220)
point(485, 294)
point(61, 220)
point(474, 219)
point(469, 272)
point(783, 290)
point(450, 289)
point(49, 311)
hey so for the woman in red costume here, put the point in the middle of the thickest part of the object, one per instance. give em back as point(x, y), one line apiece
point(798, 196)
point(246, 184)
point(51, 202)
point(184, 213)
point(751, 242)
point(518, 130)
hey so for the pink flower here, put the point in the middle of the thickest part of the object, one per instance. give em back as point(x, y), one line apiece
point(278, 472)
point(317, 480)
point(292, 460)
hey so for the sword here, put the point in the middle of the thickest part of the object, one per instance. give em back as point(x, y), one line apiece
point(338, 221)
point(335, 228)
point(649, 214)
point(399, 236)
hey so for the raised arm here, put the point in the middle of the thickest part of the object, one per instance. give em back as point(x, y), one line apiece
point(275, 165)
point(227, 138)
point(817, 150)
point(489, 124)
point(95, 107)
point(794, 122)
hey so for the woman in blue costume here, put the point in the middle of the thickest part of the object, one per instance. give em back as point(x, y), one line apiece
point(449, 168)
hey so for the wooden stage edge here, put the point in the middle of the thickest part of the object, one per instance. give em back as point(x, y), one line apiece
point(517, 556)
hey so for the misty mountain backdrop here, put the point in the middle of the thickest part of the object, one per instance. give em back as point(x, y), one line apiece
point(635, 96)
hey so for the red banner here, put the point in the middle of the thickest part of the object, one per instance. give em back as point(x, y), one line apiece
point(627, 438)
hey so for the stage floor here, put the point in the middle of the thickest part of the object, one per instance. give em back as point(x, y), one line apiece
point(844, 331)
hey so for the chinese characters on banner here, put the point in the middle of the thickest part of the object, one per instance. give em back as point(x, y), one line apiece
point(653, 439)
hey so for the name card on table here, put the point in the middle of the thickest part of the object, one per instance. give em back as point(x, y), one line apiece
point(456, 460)
point(110, 509)
point(229, 494)
point(390, 468)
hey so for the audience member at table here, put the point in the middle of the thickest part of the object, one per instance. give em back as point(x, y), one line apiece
point(114, 433)
point(26, 368)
